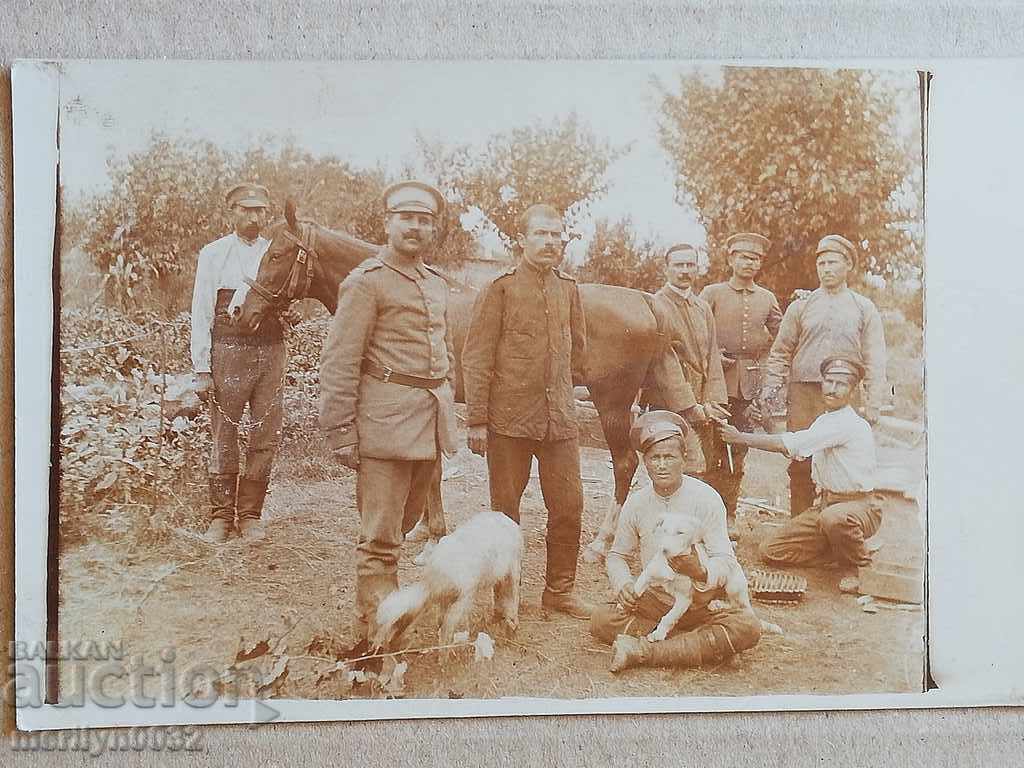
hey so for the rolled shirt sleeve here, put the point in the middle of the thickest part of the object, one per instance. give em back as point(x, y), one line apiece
point(824, 433)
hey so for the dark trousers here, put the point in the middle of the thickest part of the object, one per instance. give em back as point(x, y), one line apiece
point(508, 469)
point(391, 495)
point(718, 475)
point(245, 372)
point(804, 406)
point(825, 532)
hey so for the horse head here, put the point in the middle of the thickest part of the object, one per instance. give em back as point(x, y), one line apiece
point(303, 260)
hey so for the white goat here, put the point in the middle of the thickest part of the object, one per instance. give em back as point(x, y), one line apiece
point(485, 552)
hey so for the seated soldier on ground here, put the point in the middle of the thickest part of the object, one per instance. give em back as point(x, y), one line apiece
point(700, 636)
point(842, 452)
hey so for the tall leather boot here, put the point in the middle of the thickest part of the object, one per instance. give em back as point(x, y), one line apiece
point(705, 645)
point(251, 494)
point(223, 492)
point(560, 576)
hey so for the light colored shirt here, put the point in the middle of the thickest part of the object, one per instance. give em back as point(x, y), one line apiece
point(746, 321)
point(695, 500)
point(823, 325)
point(841, 448)
point(224, 263)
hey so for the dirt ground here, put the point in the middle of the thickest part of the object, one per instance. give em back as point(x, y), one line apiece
point(294, 589)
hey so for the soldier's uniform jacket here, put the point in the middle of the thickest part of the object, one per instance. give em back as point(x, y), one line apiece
point(822, 325)
point(695, 340)
point(526, 341)
point(746, 321)
point(220, 271)
point(392, 313)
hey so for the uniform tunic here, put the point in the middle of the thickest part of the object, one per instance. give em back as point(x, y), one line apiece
point(746, 321)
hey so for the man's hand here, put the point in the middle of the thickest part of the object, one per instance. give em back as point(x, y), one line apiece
point(348, 455)
point(476, 438)
point(754, 414)
point(727, 362)
point(716, 412)
point(202, 385)
point(627, 597)
point(695, 415)
point(688, 564)
point(871, 414)
point(729, 433)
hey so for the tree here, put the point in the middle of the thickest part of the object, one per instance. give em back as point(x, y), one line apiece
point(615, 256)
point(797, 154)
point(561, 163)
point(167, 201)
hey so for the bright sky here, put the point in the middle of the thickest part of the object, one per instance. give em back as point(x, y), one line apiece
point(370, 113)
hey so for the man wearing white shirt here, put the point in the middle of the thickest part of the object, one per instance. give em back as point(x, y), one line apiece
point(700, 636)
point(233, 369)
point(841, 448)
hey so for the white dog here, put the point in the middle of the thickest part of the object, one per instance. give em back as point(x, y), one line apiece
point(485, 552)
point(675, 536)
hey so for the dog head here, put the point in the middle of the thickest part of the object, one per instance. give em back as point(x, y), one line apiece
point(675, 534)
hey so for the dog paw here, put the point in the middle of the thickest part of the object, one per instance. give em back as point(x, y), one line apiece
point(657, 636)
point(594, 552)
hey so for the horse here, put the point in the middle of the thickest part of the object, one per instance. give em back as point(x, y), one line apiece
point(627, 347)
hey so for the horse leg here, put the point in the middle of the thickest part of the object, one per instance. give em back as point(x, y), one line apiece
point(615, 416)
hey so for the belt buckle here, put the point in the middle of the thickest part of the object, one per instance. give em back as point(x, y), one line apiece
point(387, 373)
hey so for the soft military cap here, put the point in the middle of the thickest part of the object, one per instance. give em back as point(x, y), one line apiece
point(837, 244)
point(248, 196)
point(653, 427)
point(748, 242)
point(843, 367)
point(413, 197)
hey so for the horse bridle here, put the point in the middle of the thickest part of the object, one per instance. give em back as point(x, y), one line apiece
point(299, 278)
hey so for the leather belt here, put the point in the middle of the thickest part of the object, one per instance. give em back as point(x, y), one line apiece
point(834, 497)
point(386, 375)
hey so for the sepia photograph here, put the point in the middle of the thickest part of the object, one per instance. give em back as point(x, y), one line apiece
point(478, 380)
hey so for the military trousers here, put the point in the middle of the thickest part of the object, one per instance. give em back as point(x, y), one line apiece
point(739, 627)
point(508, 467)
point(246, 371)
point(391, 494)
point(826, 532)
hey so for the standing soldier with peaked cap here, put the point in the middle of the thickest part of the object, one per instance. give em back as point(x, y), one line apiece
point(233, 368)
point(747, 318)
point(387, 378)
point(832, 320)
point(525, 343)
point(690, 324)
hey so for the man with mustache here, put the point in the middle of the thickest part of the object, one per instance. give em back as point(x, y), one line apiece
point(526, 340)
point(832, 320)
point(747, 318)
point(690, 324)
point(841, 448)
point(233, 368)
point(387, 377)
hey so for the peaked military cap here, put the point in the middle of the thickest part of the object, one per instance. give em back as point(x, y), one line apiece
point(748, 242)
point(248, 195)
point(654, 426)
point(842, 366)
point(837, 244)
point(413, 197)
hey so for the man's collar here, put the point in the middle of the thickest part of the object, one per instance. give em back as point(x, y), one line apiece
point(671, 495)
point(249, 243)
point(534, 270)
point(411, 268)
point(741, 288)
point(687, 294)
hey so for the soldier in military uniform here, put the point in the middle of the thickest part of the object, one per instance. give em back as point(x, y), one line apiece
point(831, 321)
point(233, 368)
point(387, 381)
point(747, 318)
point(526, 340)
point(690, 324)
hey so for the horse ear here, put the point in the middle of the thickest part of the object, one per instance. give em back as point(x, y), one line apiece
point(289, 215)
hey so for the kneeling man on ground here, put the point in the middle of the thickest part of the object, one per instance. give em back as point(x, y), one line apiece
point(842, 452)
point(700, 636)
